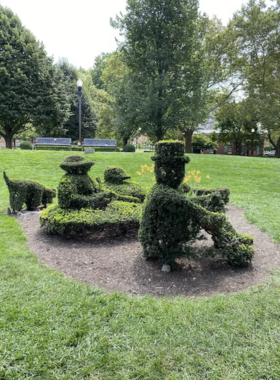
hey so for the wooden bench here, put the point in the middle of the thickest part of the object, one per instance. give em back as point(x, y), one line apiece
point(53, 141)
point(100, 143)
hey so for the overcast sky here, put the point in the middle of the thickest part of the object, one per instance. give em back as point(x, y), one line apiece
point(80, 30)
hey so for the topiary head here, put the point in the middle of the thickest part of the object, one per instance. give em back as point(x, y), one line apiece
point(115, 174)
point(76, 165)
point(170, 163)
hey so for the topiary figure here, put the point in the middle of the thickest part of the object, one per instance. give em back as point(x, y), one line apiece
point(76, 189)
point(115, 174)
point(31, 193)
point(87, 205)
point(116, 180)
point(170, 219)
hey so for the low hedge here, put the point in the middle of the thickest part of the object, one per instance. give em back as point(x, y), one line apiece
point(47, 147)
point(116, 219)
point(74, 148)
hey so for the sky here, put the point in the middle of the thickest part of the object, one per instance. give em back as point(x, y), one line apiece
point(80, 30)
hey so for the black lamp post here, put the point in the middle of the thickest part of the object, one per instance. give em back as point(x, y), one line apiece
point(80, 85)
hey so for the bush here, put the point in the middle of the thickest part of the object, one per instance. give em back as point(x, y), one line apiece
point(117, 218)
point(129, 148)
point(47, 147)
point(26, 145)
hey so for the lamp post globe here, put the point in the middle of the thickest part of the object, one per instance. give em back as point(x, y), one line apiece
point(80, 85)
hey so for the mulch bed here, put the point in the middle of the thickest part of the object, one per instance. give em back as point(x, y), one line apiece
point(117, 265)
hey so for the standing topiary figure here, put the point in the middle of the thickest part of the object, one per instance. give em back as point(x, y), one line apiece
point(170, 220)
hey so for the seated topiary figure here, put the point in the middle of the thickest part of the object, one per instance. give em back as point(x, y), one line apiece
point(31, 193)
point(76, 189)
point(170, 219)
point(115, 179)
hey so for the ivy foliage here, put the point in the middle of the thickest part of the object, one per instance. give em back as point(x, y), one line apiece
point(30, 193)
point(171, 220)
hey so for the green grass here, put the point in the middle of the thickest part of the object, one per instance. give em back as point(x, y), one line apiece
point(55, 328)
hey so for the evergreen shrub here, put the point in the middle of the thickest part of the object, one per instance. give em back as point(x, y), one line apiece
point(129, 148)
point(26, 145)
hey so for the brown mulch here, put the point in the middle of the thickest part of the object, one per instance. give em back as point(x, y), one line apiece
point(117, 265)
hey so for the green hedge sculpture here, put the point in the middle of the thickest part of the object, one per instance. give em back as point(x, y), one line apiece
point(85, 205)
point(30, 193)
point(171, 220)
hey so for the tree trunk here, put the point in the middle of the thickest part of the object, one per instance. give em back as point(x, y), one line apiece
point(9, 141)
point(125, 140)
point(276, 145)
point(277, 148)
point(188, 140)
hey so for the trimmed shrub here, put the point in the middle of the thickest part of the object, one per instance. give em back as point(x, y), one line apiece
point(26, 145)
point(115, 174)
point(118, 218)
point(47, 147)
point(31, 193)
point(129, 148)
point(115, 180)
point(171, 220)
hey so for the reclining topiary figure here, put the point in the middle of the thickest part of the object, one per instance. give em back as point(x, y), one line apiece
point(116, 179)
point(171, 220)
point(31, 193)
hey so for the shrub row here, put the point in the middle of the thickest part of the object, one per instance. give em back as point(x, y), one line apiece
point(74, 148)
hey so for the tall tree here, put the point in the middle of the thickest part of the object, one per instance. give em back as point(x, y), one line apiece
point(157, 49)
point(32, 90)
point(119, 81)
point(100, 64)
point(255, 32)
point(235, 124)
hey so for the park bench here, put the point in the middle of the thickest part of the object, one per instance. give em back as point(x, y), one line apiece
point(100, 143)
point(53, 141)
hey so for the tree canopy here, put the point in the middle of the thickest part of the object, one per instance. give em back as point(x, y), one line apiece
point(32, 89)
point(158, 50)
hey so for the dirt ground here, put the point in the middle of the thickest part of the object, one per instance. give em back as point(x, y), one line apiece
point(117, 265)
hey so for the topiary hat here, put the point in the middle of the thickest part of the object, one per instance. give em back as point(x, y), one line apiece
point(76, 165)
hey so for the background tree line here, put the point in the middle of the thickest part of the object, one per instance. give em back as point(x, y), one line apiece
point(174, 69)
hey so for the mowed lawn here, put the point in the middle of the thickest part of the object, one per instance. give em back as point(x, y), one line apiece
point(52, 327)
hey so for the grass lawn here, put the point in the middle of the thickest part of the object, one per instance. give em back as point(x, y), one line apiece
point(55, 328)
